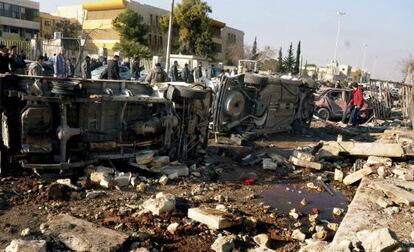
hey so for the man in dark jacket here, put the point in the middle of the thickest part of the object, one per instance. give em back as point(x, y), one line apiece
point(113, 69)
point(86, 68)
point(17, 64)
point(186, 74)
point(136, 69)
point(4, 60)
point(174, 71)
point(354, 105)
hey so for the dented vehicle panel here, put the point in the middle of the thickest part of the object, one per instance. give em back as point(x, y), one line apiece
point(51, 123)
point(262, 104)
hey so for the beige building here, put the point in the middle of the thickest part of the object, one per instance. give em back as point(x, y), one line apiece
point(19, 18)
point(48, 24)
point(97, 17)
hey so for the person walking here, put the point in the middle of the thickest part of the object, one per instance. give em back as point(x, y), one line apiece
point(136, 69)
point(198, 72)
point(36, 68)
point(17, 64)
point(354, 106)
point(86, 68)
point(59, 65)
point(157, 75)
point(174, 71)
point(113, 69)
point(186, 74)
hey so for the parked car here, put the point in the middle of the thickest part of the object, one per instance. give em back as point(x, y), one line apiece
point(330, 104)
point(124, 73)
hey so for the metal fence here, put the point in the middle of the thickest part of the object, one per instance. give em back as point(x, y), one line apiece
point(22, 46)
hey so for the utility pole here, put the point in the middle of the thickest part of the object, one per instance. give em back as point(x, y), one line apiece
point(167, 58)
point(339, 13)
point(364, 55)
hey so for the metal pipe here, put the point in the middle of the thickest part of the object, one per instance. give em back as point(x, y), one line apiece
point(167, 58)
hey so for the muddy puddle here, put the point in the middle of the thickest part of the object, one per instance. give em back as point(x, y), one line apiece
point(285, 197)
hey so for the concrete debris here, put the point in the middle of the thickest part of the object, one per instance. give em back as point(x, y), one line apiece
point(304, 202)
point(122, 180)
point(303, 156)
point(339, 175)
point(357, 176)
point(94, 194)
point(338, 211)
point(68, 183)
point(382, 172)
point(378, 240)
point(163, 203)
point(173, 228)
point(333, 226)
point(213, 218)
point(379, 161)
point(163, 180)
point(81, 235)
point(399, 193)
point(160, 161)
point(262, 240)
point(404, 173)
point(268, 164)
point(142, 187)
point(144, 157)
point(101, 175)
point(306, 164)
point(279, 159)
point(313, 245)
point(311, 185)
point(342, 246)
point(298, 235)
point(179, 170)
point(321, 235)
point(384, 202)
point(27, 246)
point(25, 232)
point(224, 243)
point(294, 214)
point(392, 210)
point(44, 227)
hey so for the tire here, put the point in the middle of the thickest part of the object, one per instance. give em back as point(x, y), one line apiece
point(255, 79)
point(323, 113)
point(178, 92)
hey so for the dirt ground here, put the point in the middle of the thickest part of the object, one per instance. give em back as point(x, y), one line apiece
point(219, 181)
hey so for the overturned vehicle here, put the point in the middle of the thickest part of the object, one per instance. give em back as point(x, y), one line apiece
point(253, 104)
point(60, 124)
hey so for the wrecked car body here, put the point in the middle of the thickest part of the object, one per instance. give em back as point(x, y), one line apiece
point(51, 123)
point(262, 105)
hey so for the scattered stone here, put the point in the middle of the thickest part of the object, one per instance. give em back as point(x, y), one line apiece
point(304, 202)
point(181, 170)
point(25, 232)
point(379, 161)
point(140, 250)
point(122, 180)
point(404, 174)
point(298, 235)
point(412, 235)
point(68, 183)
point(81, 235)
point(213, 218)
point(224, 243)
point(303, 156)
point(142, 187)
point(397, 193)
point(262, 240)
point(377, 240)
point(342, 246)
point(144, 157)
point(357, 176)
point(381, 171)
point(27, 246)
point(163, 203)
point(94, 194)
point(160, 161)
point(268, 164)
point(313, 245)
point(311, 185)
point(221, 208)
point(173, 228)
point(307, 164)
point(163, 180)
point(338, 211)
point(333, 226)
point(321, 235)
point(384, 202)
point(392, 210)
point(339, 175)
point(294, 214)
point(43, 228)
point(250, 222)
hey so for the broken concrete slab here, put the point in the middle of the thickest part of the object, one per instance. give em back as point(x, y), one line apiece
point(160, 161)
point(378, 240)
point(277, 158)
point(303, 156)
point(298, 235)
point(144, 157)
point(224, 243)
point(181, 170)
point(268, 164)
point(94, 194)
point(27, 246)
point(313, 245)
point(357, 176)
point(262, 240)
point(81, 235)
point(339, 175)
point(301, 163)
point(101, 175)
point(122, 180)
point(163, 203)
point(397, 192)
point(379, 161)
point(384, 202)
point(213, 218)
point(404, 173)
point(68, 183)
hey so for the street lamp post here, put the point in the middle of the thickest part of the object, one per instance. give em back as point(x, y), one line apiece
point(167, 60)
point(364, 55)
point(339, 13)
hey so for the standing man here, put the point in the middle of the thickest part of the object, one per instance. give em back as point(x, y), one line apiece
point(174, 71)
point(86, 68)
point(113, 68)
point(4, 60)
point(59, 65)
point(17, 64)
point(198, 72)
point(36, 68)
point(354, 105)
point(71, 68)
point(157, 75)
point(136, 69)
point(186, 74)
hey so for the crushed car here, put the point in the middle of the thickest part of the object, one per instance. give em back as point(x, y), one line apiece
point(61, 124)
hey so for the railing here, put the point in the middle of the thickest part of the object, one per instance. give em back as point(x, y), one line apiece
point(22, 45)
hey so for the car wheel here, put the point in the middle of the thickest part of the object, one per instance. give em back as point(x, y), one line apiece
point(323, 113)
point(177, 92)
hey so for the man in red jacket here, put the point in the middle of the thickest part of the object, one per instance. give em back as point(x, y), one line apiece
point(357, 102)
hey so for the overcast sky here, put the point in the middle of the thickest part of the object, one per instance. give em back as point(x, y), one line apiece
point(385, 26)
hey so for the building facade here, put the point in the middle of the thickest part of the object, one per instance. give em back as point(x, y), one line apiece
point(19, 18)
point(97, 22)
point(48, 24)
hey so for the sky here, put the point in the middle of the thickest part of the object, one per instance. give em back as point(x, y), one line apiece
point(383, 28)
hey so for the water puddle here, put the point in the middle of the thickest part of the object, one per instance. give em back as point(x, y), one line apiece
point(285, 197)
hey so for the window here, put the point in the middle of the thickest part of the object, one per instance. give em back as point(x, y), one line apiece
point(14, 30)
point(231, 38)
point(7, 10)
point(149, 40)
point(47, 23)
point(15, 10)
point(217, 48)
point(157, 21)
point(1, 9)
point(23, 13)
point(161, 47)
point(151, 20)
point(155, 41)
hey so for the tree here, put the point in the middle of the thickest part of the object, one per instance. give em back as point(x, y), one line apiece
point(233, 54)
point(254, 49)
point(68, 29)
point(296, 69)
point(289, 61)
point(191, 26)
point(408, 69)
point(280, 62)
point(133, 35)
